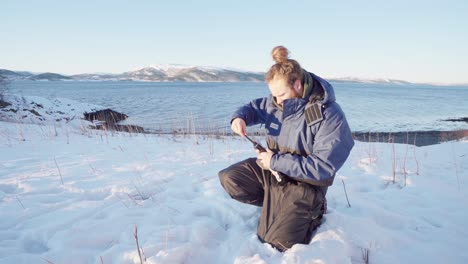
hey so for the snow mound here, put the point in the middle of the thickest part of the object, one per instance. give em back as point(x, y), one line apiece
point(39, 110)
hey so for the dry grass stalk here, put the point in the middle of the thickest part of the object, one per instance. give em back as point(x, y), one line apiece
point(393, 160)
point(67, 133)
point(138, 244)
point(143, 195)
point(365, 255)
point(92, 168)
point(20, 129)
point(17, 198)
point(371, 151)
point(414, 154)
point(455, 165)
point(48, 261)
point(346, 194)
point(58, 168)
point(405, 171)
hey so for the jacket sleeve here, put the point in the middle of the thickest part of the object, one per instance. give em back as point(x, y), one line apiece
point(332, 145)
point(253, 113)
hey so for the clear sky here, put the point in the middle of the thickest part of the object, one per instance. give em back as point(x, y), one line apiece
point(414, 40)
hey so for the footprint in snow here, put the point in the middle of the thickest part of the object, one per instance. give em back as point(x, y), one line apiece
point(34, 246)
point(8, 188)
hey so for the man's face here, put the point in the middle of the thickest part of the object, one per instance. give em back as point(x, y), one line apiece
point(281, 90)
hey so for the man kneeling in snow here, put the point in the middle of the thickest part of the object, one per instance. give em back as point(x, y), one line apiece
point(308, 140)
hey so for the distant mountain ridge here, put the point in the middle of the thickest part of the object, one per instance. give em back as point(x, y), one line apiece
point(49, 76)
point(173, 73)
point(191, 74)
point(164, 73)
point(359, 80)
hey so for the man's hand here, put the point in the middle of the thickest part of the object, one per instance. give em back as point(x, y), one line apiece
point(265, 158)
point(239, 127)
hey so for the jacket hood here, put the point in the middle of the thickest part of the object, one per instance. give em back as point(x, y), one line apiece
point(316, 88)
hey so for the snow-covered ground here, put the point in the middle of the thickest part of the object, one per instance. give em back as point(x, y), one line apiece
point(69, 194)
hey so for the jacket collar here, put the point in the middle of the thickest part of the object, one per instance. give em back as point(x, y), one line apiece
point(293, 106)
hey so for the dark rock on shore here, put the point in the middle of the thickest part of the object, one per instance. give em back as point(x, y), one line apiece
point(4, 104)
point(32, 111)
point(106, 115)
point(108, 121)
point(418, 138)
point(462, 119)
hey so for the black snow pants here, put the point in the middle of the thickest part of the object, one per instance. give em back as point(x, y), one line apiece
point(291, 210)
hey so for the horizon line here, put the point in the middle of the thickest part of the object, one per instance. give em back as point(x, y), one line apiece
point(342, 78)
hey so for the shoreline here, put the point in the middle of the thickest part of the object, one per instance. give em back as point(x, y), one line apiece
point(41, 110)
point(417, 138)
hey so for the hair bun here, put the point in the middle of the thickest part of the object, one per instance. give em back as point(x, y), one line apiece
point(280, 54)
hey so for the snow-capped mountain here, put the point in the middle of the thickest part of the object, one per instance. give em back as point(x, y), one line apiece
point(179, 73)
point(360, 80)
point(157, 73)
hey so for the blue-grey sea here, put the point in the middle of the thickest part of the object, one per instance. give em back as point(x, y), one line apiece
point(166, 106)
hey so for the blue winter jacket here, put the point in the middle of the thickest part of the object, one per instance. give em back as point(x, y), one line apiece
point(313, 152)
